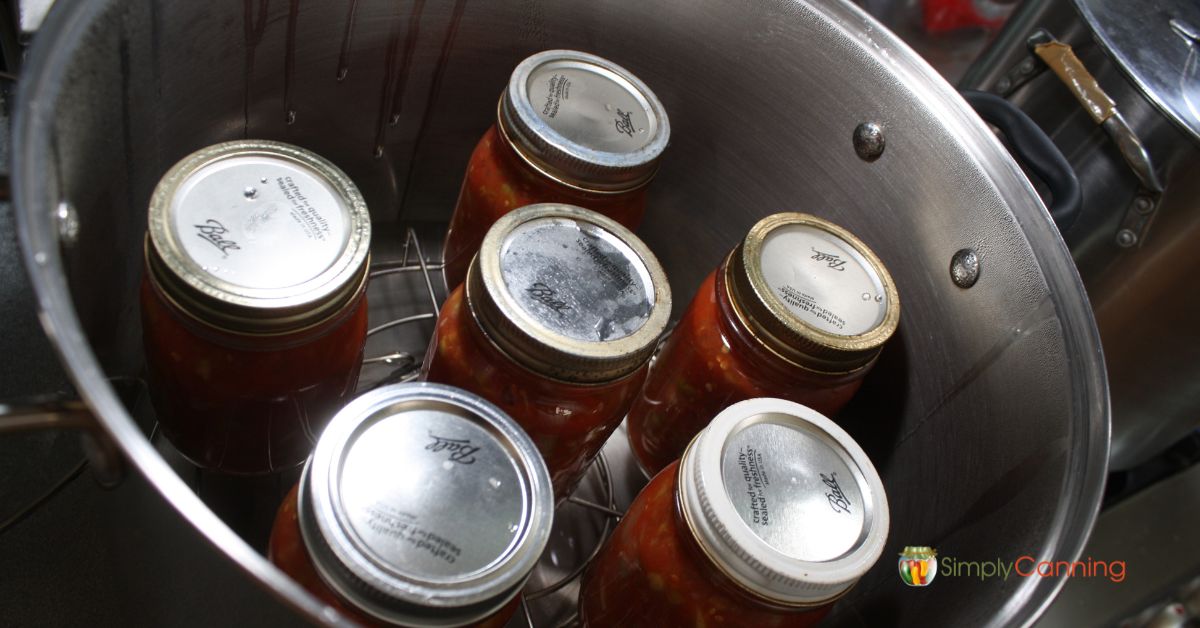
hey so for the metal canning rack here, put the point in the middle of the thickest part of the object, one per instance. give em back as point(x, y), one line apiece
point(548, 598)
point(595, 496)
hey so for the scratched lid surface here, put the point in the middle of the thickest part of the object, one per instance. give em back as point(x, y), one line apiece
point(569, 293)
point(784, 501)
point(425, 505)
point(258, 235)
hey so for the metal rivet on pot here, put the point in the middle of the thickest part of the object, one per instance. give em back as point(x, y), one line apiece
point(1003, 84)
point(1026, 66)
point(68, 223)
point(869, 141)
point(1143, 205)
point(1126, 238)
point(964, 268)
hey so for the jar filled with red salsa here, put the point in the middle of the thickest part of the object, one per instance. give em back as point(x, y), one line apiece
point(772, 514)
point(253, 302)
point(571, 128)
point(799, 310)
point(422, 505)
point(560, 312)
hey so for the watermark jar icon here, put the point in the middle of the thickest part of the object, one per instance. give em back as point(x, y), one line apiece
point(918, 565)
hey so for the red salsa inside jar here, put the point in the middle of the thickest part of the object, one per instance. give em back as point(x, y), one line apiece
point(422, 505)
point(253, 302)
point(799, 310)
point(743, 531)
point(571, 128)
point(560, 312)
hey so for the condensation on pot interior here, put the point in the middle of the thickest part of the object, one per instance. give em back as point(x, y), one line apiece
point(577, 279)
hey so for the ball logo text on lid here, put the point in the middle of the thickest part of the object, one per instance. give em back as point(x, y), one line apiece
point(260, 222)
point(568, 293)
point(577, 279)
point(257, 236)
point(591, 106)
point(822, 280)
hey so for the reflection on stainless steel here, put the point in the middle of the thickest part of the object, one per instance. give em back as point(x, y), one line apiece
point(68, 224)
point(1153, 535)
point(32, 12)
point(986, 413)
point(1154, 43)
point(1136, 279)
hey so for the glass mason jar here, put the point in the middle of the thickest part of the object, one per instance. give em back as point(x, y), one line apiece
point(560, 312)
point(772, 514)
point(570, 128)
point(799, 310)
point(422, 505)
point(253, 302)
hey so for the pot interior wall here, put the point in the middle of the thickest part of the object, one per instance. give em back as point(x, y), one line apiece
point(986, 414)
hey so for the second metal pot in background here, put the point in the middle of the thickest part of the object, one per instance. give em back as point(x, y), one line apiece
point(1135, 246)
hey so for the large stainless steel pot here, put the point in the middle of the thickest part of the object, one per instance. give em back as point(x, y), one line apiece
point(987, 414)
point(1135, 246)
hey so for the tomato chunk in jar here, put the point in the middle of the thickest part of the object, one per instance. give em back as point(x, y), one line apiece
point(570, 128)
point(799, 310)
point(382, 474)
point(253, 303)
point(717, 539)
point(555, 324)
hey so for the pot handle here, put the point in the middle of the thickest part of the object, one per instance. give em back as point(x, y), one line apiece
point(1083, 86)
point(1033, 148)
point(1061, 58)
point(45, 413)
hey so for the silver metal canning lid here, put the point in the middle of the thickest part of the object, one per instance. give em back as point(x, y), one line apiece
point(784, 501)
point(584, 120)
point(569, 293)
point(424, 504)
point(813, 292)
point(258, 236)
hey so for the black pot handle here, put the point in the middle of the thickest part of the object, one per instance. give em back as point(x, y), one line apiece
point(1032, 147)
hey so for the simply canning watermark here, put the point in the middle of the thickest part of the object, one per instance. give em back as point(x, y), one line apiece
point(919, 565)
